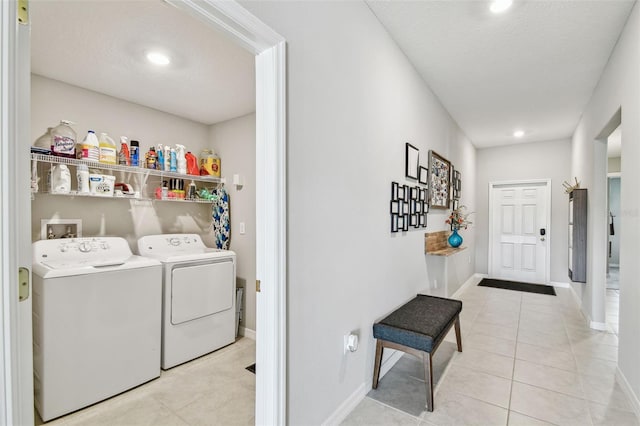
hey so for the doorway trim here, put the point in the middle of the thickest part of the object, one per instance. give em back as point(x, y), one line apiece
point(270, 50)
point(494, 185)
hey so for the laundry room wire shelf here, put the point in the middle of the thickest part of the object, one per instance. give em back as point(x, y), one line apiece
point(144, 179)
point(121, 168)
point(73, 194)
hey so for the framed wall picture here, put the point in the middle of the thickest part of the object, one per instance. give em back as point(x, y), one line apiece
point(394, 223)
point(439, 181)
point(412, 159)
point(423, 175)
point(394, 191)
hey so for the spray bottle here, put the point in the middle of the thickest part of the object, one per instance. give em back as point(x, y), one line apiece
point(123, 155)
point(167, 158)
point(181, 161)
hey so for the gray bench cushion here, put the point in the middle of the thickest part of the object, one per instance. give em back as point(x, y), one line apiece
point(419, 323)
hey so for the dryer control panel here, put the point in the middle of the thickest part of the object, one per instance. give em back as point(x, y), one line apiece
point(171, 244)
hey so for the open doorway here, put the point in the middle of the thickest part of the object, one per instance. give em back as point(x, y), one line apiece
point(268, 48)
point(614, 179)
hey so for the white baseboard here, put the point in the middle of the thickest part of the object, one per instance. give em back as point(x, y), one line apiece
point(602, 326)
point(595, 325)
point(390, 361)
point(347, 406)
point(247, 332)
point(472, 280)
point(628, 390)
point(560, 284)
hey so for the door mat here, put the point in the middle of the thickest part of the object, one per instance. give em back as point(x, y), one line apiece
point(517, 286)
point(251, 368)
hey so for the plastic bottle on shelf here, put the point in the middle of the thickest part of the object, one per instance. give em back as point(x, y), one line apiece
point(135, 153)
point(63, 140)
point(160, 153)
point(192, 191)
point(89, 149)
point(60, 179)
point(108, 149)
point(123, 156)
point(210, 163)
point(151, 159)
point(180, 160)
point(167, 158)
point(44, 141)
point(83, 179)
point(173, 164)
point(192, 164)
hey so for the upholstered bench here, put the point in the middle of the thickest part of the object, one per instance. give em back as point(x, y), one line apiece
point(418, 327)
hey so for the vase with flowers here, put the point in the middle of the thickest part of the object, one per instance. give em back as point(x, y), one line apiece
point(458, 219)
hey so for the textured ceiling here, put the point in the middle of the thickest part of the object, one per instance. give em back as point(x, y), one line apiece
point(101, 46)
point(533, 67)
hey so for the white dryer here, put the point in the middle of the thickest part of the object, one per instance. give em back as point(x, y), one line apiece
point(198, 301)
point(96, 322)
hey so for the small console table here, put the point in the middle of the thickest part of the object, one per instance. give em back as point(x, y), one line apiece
point(436, 244)
point(445, 273)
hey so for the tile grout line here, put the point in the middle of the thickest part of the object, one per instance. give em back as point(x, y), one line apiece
point(575, 360)
point(513, 369)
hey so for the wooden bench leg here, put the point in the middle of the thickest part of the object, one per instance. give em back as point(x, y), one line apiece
point(458, 336)
point(428, 379)
point(376, 368)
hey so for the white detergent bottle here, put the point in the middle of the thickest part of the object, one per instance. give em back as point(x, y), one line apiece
point(60, 179)
point(108, 149)
point(89, 149)
point(181, 160)
point(83, 179)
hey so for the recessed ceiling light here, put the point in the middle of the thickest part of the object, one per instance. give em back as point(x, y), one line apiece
point(499, 6)
point(518, 133)
point(158, 58)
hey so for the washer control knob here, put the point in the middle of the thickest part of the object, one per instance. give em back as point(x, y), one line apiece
point(85, 247)
point(104, 245)
point(174, 241)
point(63, 248)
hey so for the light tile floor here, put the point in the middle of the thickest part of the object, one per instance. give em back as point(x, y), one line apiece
point(215, 389)
point(528, 359)
point(613, 298)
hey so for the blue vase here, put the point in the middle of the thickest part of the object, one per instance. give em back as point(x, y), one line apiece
point(455, 239)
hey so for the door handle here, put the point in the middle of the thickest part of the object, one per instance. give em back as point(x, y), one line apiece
point(542, 238)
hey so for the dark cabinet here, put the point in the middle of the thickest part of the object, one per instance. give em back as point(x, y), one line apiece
point(578, 235)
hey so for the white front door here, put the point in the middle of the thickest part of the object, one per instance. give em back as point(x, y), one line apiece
point(519, 218)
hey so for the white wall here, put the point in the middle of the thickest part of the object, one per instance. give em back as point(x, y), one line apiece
point(353, 101)
point(613, 164)
point(235, 142)
point(52, 101)
point(618, 88)
point(614, 209)
point(539, 160)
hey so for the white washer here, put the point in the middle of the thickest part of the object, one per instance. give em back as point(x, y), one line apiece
point(96, 321)
point(198, 313)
